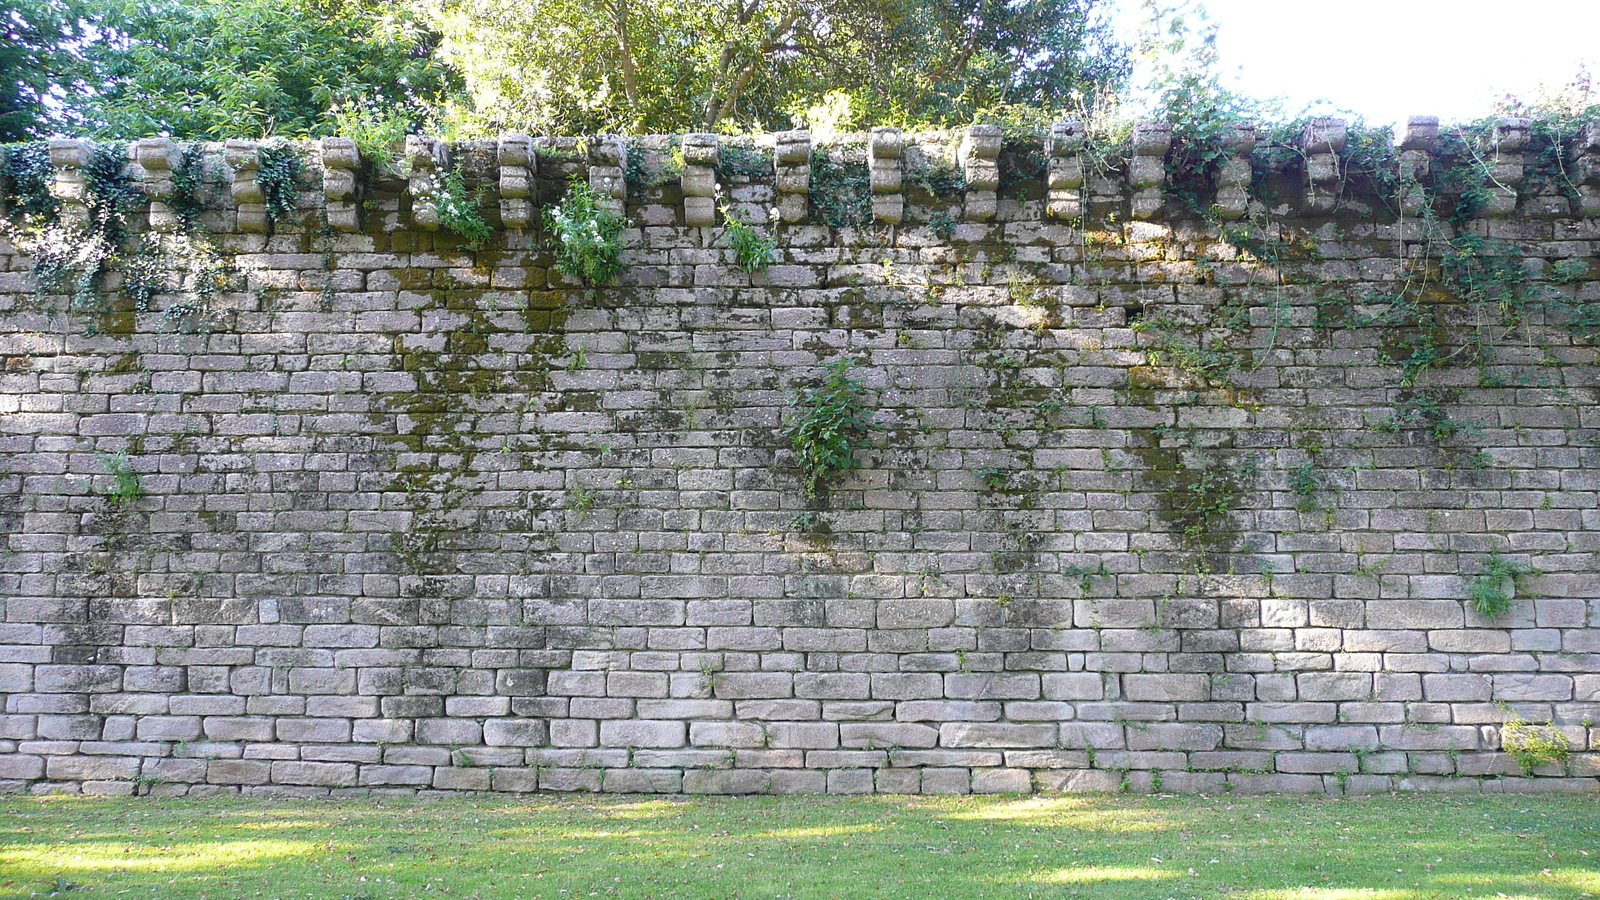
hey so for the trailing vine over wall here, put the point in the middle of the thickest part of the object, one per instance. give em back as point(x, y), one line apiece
point(279, 173)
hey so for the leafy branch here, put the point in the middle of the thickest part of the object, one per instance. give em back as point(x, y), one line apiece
point(827, 422)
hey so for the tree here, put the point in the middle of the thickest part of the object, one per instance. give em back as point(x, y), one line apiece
point(212, 68)
point(35, 63)
point(583, 66)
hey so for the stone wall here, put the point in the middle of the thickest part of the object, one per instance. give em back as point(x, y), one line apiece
point(1159, 501)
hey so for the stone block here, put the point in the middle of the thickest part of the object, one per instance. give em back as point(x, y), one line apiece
point(1166, 687)
point(946, 781)
point(727, 781)
point(638, 733)
point(314, 773)
point(996, 735)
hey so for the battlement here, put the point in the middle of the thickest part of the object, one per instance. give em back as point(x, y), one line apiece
point(975, 174)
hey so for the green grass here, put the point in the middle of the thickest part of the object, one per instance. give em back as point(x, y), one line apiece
point(1383, 848)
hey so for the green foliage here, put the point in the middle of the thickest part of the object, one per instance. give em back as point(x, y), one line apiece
point(1203, 495)
point(68, 257)
point(1427, 409)
point(943, 226)
point(938, 180)
point(1371, 153)
point(186, 179)
point(807, 522)
point(1305, 482)
point(1533, 746)
point(739, 161)
point(827, 422)
point(564, 66)
point(1086, 574)
point(36, 55)
point(1022, 159)
point(1486, 272)
point(110, 193)
point(279, 175)
point(1489, 594)
point(1458, 179)
point(639, 177)
point(458, 210)
point(1215, 363)
point(1488, 276)
point(752, 250)
point(235, 68)
point(582, 501)
point(993, 477)
point(25, 177)
point(1569, 271)
point(634, 172)
point(125, 489)
point(1186, 83)
point(589, 237)
point(160, 262)
point(841, 187)
point(377, 130)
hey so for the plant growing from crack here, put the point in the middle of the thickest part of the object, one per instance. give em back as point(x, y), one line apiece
point(827, 422)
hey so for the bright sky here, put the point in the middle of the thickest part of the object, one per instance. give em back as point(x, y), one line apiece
point(1389, 59)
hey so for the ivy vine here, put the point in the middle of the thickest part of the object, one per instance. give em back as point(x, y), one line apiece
point(841, 187)
point(25, 177)
point(279, 174)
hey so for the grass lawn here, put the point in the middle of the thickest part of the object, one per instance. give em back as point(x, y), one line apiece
point(1386, 848)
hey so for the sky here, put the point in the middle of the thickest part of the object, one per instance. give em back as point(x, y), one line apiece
point(1385, 60)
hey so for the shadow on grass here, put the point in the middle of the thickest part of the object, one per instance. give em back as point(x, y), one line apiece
point(1406, 848)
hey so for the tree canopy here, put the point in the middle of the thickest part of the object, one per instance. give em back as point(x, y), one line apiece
point(35, 63)
point(208, 68)
point(625, 65)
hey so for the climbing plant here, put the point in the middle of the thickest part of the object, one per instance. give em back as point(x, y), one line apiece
point(25, 176)
point(841, 187)
point(71, 254)
point(279, 174)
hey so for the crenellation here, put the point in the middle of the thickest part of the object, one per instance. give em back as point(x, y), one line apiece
point(1321, 141)
point(885, 172)
point(1587, 170)
point(1504, 166)
point(68, 158)
point(1235, 174)
point(341, 166)
point(517, 164)
point(792, 174)
point(1064, 175)
point(1147, 171)
point(701, 155)
point(1416, 146)
point(154, 160)
point(250, 202)
point(426, 159)
point(607, 157)
point(979, 156)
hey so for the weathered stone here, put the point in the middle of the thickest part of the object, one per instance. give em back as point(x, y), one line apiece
point(424, 520)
